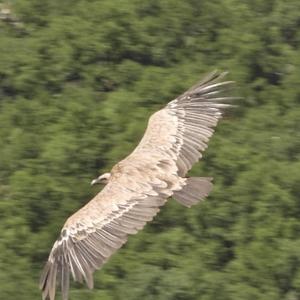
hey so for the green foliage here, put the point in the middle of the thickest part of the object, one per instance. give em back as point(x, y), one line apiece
point(77, 85)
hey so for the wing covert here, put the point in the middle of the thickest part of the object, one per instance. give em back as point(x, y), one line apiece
point(95, 232)
point(180, 132)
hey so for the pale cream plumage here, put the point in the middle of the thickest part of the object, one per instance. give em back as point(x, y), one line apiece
point(139, 185)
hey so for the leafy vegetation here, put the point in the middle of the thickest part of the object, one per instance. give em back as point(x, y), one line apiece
point(78, 80)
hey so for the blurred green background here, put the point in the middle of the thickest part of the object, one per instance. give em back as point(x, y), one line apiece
point(78, 80)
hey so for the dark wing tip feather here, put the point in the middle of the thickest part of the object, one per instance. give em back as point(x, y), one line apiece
point(198, 111)
point(210, 79)
point(213, 76)
point(48, 280)
point(56, 270)
point(206, 90)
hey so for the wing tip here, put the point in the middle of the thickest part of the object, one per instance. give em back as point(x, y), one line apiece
point(215, 75)
point(208, 87)
point(46, 282)
point(44, 275)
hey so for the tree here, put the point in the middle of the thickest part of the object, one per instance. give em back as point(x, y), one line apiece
point(76, 88)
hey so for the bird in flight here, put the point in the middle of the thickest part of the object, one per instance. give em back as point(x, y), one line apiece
point(139, 185)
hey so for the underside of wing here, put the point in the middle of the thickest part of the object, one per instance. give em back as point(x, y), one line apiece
point(180, 132)
point(95, 232)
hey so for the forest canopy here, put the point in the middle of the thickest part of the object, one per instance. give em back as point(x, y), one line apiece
point(78, 81)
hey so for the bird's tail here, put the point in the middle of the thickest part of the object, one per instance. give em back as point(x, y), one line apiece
point(195, 190)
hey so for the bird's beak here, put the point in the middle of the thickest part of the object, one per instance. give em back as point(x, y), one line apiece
point(95, 181)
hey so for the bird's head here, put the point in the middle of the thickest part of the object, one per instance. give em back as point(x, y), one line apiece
point(101, 179)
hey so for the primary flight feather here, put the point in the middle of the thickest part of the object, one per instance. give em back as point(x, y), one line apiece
point(138, 185)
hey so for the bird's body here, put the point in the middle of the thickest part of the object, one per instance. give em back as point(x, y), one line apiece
point(138, 185)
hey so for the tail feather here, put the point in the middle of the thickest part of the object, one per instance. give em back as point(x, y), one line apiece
point(195, 190)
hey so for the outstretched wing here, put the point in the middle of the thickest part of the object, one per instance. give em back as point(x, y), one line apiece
point(139, 185)
point(180, 132)
point(96, 231)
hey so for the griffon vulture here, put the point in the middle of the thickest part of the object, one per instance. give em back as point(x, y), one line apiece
point(138, 185)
